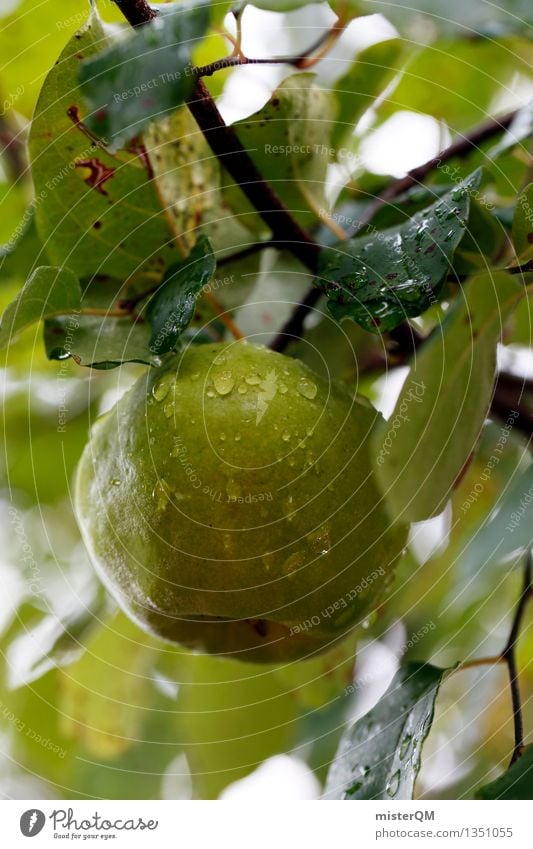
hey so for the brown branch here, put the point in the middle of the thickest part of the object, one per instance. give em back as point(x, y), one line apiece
point(136, 12)
point(225, 144)
point(513, 393)
point(13, 149)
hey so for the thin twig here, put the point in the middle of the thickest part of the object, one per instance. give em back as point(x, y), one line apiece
point(492, 660)
point(223, 315)
point(509, 655)
point(302, 61)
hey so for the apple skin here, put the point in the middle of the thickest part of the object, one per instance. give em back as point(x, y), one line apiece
point(228, 503)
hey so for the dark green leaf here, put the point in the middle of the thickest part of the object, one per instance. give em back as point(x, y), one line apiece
point(96, 212)
point(379, 757)
point(48, 291)
point(382, 278)
point(481, 242)
point(173, 305)
point(516, 783)
point(145, 76)
point(420, 451)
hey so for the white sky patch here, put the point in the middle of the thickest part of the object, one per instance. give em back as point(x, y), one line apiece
point(426, 539)
point(402, 142)
point(283, 778)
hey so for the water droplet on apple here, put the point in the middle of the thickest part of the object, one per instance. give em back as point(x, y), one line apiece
point(224, 382)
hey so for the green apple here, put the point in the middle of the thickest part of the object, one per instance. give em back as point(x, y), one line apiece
point(229, 504)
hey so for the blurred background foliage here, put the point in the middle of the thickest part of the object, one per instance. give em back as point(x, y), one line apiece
point(92, 707)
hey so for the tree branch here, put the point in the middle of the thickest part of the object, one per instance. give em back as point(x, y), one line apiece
point(514, 393)
point(136, 12)
point(225, 144)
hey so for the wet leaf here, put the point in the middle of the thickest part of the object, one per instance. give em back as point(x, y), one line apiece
point(146, 75)
point(382, 278)
point(101, 344)
point(173, 305)
point(434, 427)
point(379, 757)
point(186, 173)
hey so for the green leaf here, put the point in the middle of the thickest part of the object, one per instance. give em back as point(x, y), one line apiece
point(288, 140)
point(19, 255)
point(454, 17)
point(102, 340)
point(145, 76)
point(32, 37)
point(96, 212)
point(382, 278)
point(516, 783)
point(481, 242)
point(186, 172)
point(232, 717)
point(54, 641)
point(99, 343)
point(420, 451)
point(173, 305)
point(379, 757)
point(462, 93)
point(48, 291)
point(523, 224)
point(103, 696)
point(356, 91)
